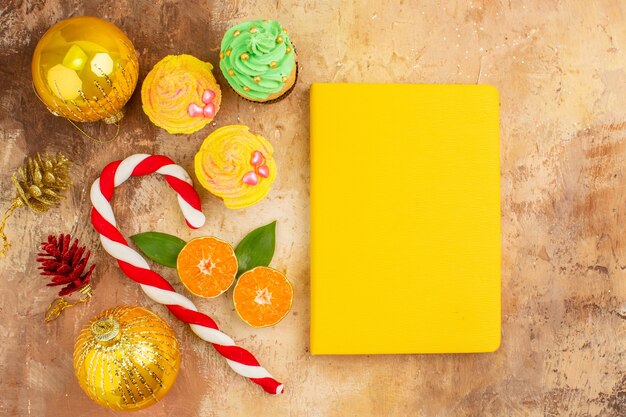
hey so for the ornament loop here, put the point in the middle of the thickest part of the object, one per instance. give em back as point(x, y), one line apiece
point(5, 241)
point(118, 124)
point(59, 304)
point(115, 119)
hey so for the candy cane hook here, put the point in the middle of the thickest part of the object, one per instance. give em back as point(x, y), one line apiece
point(153, 284)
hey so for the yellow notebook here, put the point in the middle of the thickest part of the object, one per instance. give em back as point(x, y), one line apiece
point(405, 219)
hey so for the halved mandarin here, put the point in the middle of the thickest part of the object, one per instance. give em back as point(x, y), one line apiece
point(262, 296)
point(207, 266)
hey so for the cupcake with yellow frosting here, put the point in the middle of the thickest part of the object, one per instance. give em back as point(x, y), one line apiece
point(180, 94)
point(259, 61)
point(236, 166)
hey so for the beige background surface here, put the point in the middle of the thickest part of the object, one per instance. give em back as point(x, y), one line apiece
point(560, 70)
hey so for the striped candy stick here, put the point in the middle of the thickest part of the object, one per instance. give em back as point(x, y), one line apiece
point(153, 284)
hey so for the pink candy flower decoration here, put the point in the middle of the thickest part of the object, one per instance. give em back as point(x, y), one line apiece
point(208, 110)
point(259, 169)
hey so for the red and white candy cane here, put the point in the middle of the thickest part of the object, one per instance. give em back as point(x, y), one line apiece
point(153, 284)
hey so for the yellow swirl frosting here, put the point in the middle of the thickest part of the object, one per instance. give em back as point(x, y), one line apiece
point(180, 94)
point(236, 165)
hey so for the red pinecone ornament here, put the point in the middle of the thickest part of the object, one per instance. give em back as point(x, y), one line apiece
point(65, 264)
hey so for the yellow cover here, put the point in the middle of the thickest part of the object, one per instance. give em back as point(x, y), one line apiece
point(405, 219)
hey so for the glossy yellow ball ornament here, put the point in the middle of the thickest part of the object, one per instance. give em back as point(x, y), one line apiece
point(126, 358)
point(85, 69)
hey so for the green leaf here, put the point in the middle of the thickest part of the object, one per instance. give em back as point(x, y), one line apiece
point(257, 248)
point(160, 247)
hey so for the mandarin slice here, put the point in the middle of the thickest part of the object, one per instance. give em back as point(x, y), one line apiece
point(262, 296)
point(207, 266)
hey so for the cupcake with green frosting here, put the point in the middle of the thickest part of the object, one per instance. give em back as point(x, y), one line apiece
point(259, 61)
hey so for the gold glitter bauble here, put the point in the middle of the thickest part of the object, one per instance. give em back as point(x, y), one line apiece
point(85, 69)
point(126, 358)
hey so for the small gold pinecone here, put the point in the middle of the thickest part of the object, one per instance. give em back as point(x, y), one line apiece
point(42, 180)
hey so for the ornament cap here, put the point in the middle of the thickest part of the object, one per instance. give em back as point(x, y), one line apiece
point(114, 118)
point(106, 330)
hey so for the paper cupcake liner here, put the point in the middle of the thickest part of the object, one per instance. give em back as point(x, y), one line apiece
point(285, 94)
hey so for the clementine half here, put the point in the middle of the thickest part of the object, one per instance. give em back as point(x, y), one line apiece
point(207, 266)
point(262, 296)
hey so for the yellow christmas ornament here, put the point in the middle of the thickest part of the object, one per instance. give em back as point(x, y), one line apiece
point(85, 69)
point(126, 358)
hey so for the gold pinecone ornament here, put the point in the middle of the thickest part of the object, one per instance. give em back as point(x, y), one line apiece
point(41, 181)
point(39, 184)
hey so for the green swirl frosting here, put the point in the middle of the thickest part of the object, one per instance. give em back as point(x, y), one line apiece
point(257, 58)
